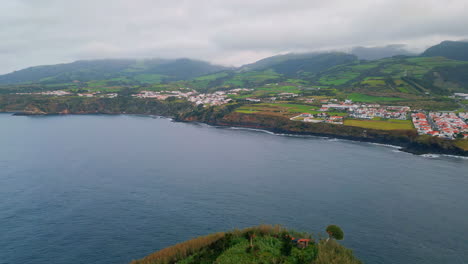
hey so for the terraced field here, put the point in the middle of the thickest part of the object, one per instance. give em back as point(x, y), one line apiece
point(391, 124)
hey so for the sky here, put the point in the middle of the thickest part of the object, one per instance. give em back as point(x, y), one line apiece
point(227, 32)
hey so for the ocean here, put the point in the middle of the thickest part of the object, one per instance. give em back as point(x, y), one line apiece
point(109, 189)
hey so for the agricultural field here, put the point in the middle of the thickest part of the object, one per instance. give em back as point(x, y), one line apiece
point(438, 104)
point(212, 77)
point(267, 91)
point(366, 66)
point(253, 77)
point(276, 89)
point(374, 82)
point(283, 109)
point(364, 98)
point(432, 62)
point(149, 78)
point(391, 124)
point(297, 81)
point(338, 78)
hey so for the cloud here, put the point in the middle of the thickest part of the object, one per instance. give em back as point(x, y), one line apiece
point(224, 31)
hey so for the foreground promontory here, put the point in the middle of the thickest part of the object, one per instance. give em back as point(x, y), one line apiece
point(261, 244)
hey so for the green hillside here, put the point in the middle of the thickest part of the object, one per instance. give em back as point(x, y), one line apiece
point(409, 77)
point(455, 50)
point(401, 75)
point(113, 72)
point(263, 244)
point(375, 53)
point(298, 64)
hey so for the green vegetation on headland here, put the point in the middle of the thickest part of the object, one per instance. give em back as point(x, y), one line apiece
point(262, 244)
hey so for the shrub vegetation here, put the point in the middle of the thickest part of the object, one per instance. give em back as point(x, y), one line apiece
point(261, 244)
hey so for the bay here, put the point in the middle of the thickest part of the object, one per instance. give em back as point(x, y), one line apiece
point(109, 189)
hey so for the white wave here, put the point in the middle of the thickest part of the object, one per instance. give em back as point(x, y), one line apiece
point(385, 145)
point(251, 129)
point(432, 156)
point(396, 149)
point(273, 133)
point(455, 156)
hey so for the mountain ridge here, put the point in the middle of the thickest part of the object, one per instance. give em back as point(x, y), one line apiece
point(420, 75)
point(456, 50)
point(86, 70)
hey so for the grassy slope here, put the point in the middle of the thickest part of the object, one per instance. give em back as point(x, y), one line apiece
point(364, 98)
point(382, 125)
point(391, 75)
point(463, 144)
point(270, 246)
point(388, 79)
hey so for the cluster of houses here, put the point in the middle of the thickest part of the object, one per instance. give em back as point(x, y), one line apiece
point(463, 116)
point(440, 124)
point(217, 98)
point(318, 118)
point(52, 93)
point(449, 124)
point(346, 105)
point(287, 95)
point(97, 94)
point(86, 94)
point(238, 90)
point(163, 95)
point(390, 112)
point(65, 93)
point(368, 111)
point(255, 100)
point(461, 95)
point(421, 123)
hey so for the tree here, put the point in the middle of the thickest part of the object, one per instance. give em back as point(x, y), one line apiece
point(250, 235)
point(335, 232)
point(286, 246)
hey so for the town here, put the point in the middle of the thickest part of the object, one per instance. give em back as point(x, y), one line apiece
point(449, 125)
point(205, 99)
point(442, 124)
point(66, 93)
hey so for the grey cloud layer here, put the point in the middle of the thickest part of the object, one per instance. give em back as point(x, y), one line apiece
point(230, 32)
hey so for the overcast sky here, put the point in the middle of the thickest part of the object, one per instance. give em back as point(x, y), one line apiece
point(229, 32)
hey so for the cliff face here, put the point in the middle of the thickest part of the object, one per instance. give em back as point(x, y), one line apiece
point(224, 116)
point(37, 105)
point(409, 140)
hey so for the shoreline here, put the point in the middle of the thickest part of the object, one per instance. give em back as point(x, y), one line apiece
point(394, 147)
point(280, 132)
point(407, 148)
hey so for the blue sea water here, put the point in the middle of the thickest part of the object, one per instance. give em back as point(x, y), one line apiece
point(109, 189)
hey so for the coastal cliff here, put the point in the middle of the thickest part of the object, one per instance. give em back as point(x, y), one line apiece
point(183, 111)
point(408, 140)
